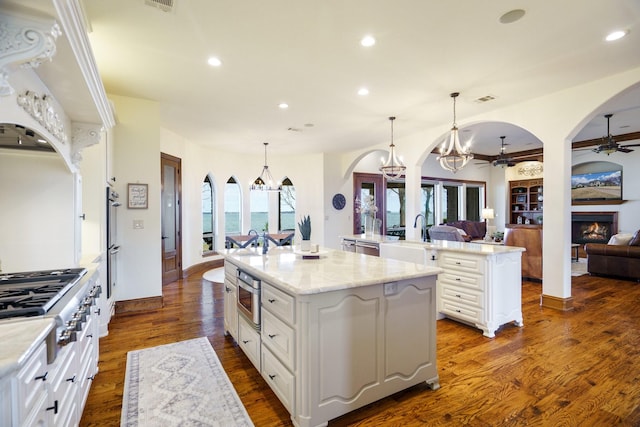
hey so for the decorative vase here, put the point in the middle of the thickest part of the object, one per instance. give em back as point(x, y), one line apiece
point(305, 245)
point(369, 222)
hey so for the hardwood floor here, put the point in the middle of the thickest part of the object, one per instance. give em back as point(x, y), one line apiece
point(577, 368)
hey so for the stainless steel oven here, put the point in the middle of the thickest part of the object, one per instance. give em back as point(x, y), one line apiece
point(249, 297)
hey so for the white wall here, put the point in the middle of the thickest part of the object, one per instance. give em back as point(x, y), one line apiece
point(137, 160)
point(37, 215)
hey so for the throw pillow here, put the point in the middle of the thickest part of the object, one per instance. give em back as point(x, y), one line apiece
point(620, 239)
point(635, 240)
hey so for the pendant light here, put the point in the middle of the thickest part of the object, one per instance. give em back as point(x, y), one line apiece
point(453, 156)
point(393, 168)
point(265, 181)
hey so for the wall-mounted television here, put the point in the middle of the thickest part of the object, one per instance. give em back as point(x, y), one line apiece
point(597, 186)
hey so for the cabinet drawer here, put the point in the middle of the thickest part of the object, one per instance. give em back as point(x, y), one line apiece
point(230, 272)
point(279, 379)
point(279, 338)
point(462, 262)
point(462, 296)
point(249, 341)
point(31, 381)
point(461, 311)
point(278, 303)
point(457, 278)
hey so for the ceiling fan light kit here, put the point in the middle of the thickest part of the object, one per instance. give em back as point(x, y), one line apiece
point(502, 160)
point(453, 156)
point(609, 144)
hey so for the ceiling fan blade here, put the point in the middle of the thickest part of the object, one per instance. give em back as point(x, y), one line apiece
point(624, 150)
point(631, 145)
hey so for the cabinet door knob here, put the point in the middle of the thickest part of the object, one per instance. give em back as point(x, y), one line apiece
point(272, 376)
point(272, 336)
point(42, 377)
point(245, 341)
point(271, 300)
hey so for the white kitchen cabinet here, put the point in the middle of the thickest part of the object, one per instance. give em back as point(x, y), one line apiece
point(483, 290)
point(325, 354)
point(249, 341)
point(230, 300)
point(30, 389)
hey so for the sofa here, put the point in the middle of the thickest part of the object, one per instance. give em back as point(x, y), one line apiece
point(475, 230)
point(528, 237)
point(619, 258)
point(445, 232)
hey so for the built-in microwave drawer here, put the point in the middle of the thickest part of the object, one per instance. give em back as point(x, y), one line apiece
point(278, 303)
point(279, 338)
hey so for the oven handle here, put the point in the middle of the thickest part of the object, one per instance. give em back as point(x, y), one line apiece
point(247, 287)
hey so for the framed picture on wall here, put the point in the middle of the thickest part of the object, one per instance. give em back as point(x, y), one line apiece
point(137, 196)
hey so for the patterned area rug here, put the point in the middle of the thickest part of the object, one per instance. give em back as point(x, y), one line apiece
point(579, 268)
point(179, 384)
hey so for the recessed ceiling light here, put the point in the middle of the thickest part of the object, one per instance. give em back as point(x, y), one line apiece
point(616, 35)
point(283, 105)
point(512, 16)
point(42, 141)
point(214, 62)
point(367, 41)
point(363, 91)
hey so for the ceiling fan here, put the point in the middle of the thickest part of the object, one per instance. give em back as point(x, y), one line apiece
point(609, 144)
point(502, 159)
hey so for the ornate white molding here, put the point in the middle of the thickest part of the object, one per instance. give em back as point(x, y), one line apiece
point(83, 135)
point(41, 109)
point(530, 169)
point(25, 42)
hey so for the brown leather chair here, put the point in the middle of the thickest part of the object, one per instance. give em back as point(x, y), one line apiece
point(529, 238)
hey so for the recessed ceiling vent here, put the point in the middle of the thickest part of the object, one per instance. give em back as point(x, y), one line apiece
point(485, 98)
point(163, 5)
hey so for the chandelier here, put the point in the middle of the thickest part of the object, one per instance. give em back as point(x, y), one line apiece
point(453, 156)
point(393, 167)
point(265, 181)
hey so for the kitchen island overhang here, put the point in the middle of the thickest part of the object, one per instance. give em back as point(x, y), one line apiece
point(360, 328)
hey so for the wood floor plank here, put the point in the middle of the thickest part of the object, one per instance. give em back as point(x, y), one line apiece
point(576, 368)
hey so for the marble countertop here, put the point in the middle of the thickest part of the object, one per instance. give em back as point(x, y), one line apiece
point(376, 238)
point(470, 248)
point(19, 338)
point(333, 270)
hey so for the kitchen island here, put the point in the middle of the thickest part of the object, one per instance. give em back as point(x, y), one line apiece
point(337, 332)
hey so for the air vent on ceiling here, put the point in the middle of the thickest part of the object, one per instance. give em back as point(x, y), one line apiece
point(486, 98)
point(163, 5)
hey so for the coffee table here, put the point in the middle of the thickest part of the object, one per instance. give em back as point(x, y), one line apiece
point(574, 248)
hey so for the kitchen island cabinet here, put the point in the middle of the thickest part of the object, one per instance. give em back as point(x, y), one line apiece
point(481, 285)
point(343, 330)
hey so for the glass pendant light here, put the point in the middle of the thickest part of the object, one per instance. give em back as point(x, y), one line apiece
point(393, 168)
point(453, 156)
point(265, 181)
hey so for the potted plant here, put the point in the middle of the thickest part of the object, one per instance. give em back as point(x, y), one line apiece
point(305, 231)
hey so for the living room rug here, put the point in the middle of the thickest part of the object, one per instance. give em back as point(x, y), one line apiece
point(579, 268)
point(183, 384)
point(216, 275)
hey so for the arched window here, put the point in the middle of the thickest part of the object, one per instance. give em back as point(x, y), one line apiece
point(259, 203)
point(232, 207)
point(287, 206)
point(208, 219)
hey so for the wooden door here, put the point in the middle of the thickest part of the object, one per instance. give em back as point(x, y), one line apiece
point(374, 185)
point(171, 218)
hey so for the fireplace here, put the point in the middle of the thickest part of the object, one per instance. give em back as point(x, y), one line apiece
point(593, 227)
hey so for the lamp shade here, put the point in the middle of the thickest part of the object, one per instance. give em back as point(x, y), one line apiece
point(487, 213)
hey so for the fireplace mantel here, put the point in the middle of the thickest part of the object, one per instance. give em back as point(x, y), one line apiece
point(597, 202)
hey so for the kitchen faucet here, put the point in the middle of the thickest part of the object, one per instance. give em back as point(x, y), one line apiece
point(424, 225)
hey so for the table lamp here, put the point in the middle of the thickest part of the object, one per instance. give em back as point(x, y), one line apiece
point(487, 214)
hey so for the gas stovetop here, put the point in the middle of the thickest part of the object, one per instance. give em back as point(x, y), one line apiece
point(33, 293)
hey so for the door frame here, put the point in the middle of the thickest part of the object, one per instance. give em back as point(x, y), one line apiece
point(176, 162)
